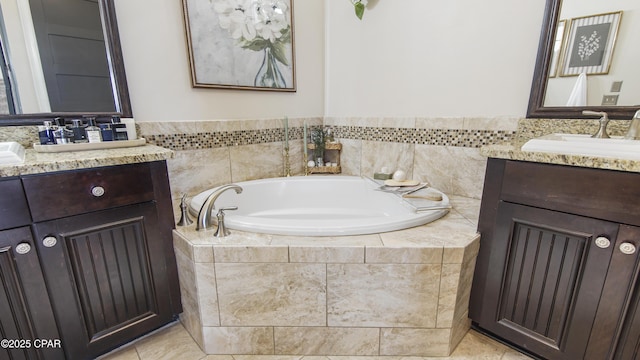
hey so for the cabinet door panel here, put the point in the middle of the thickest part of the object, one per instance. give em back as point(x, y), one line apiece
point(14, 211)
point(629, 344)
point(550, 272)
point(25, 311)
point(105, 288)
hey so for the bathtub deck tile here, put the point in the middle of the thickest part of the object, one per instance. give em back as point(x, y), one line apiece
point(250, 254)
point(189, 296)
point(183, 244)
point(207, 294)
point(449, 282)
point(327, 341)
point(335, 241)
point(414, 342)
point(238, 340)
point(382, 295)
point(326, 254)
point(404, 255)
point(203, 253)
point(459, 249)
point(273, 294)
point(420, 236)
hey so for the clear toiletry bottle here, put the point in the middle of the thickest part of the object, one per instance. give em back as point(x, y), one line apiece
point(92, 132)
point(106, 132)
point(79, 135)
point(45, 133)
point(62, 135)
point(119, 129)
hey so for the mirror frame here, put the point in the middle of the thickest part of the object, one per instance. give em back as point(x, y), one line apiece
point(536, 107)
point(118, 77)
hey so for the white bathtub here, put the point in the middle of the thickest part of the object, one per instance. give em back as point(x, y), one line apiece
point(318, 206)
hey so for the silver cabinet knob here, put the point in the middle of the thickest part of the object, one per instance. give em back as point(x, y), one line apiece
point(23, 248)
point(627, 248)
point(602, 242)
point(49, 241)
point(97, 191)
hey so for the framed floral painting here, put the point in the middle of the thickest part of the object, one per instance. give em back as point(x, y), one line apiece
point(590, 44)
point(241, 44)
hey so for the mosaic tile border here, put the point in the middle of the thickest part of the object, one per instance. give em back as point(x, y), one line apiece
point(440, 137)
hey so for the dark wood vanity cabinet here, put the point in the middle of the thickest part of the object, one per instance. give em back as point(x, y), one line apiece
point(25, 310)
point(102, 249)
point(558, 268)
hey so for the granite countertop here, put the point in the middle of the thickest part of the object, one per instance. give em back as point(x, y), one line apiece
point(512, 151)
point(36, 163)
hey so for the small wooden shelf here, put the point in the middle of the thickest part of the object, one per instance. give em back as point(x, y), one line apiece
point(331, 154)
point(327, 146)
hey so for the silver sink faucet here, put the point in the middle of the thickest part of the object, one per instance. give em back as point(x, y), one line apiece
point(604, 120)
point(204, 215)
point(634, 129)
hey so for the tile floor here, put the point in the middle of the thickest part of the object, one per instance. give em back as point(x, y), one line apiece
point(173, 342)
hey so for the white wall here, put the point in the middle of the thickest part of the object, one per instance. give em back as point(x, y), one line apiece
point(406, 58)
point(157, 65)
point(431, 58)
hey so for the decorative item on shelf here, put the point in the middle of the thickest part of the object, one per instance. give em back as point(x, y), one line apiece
point(317, 137)
point(327, 161)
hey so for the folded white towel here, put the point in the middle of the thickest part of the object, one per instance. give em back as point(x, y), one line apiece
point(578, 95)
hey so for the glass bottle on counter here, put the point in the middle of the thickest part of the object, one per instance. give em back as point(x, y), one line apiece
point(79, 134)
point(93, 133)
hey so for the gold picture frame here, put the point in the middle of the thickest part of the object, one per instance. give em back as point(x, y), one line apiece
point(590, 43)
point(254, 54)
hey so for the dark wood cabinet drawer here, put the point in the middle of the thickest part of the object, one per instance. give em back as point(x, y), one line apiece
point(53, 196)
point(14, 211)
point(603, 194)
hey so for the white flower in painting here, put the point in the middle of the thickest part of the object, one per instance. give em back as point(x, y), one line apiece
point(247, 19)
point(236, 17)
point(271, 19)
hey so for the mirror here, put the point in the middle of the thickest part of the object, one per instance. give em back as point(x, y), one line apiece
point(100, 25)
point(546, 63)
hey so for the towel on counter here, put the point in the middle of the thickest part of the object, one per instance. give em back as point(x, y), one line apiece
point(578, 95)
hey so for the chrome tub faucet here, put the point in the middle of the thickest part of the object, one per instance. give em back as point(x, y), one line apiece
point(204, 215)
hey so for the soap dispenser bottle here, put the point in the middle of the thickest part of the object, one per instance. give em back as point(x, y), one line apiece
point(62, 135)
point(119, 129)
point(93, 133)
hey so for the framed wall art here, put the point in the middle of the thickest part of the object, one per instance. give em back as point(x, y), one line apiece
point(241, 44)
point(590, 44)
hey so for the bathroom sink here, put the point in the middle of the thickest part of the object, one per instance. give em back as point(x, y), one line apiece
point(575, 144)
point(11, 153)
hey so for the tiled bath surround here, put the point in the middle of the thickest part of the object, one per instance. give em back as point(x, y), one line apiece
point(443, 151)
point(403, 293)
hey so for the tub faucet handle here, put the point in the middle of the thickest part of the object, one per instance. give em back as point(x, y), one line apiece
point(184, 213)
point(222, 230)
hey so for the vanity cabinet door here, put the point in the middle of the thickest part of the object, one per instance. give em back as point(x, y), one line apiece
point(107, 276)
point(26, 317)
point(544, 280)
